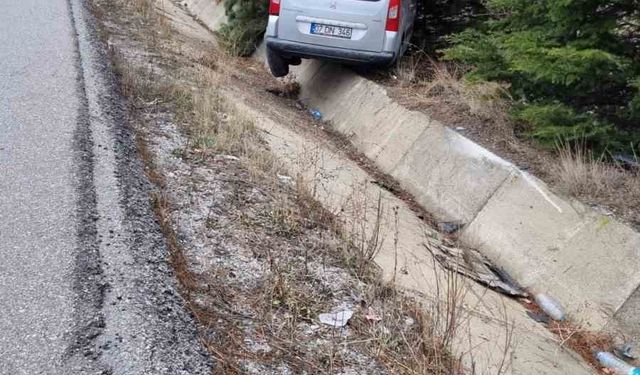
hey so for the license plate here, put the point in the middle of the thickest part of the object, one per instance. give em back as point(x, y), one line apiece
point(335, 31)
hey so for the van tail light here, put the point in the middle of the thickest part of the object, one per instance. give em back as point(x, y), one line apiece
point(274, 7)
point(393, 17)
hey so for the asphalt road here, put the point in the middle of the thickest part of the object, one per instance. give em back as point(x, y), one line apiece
point(85, 287)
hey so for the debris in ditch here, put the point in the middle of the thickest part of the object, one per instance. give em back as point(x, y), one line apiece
point(285, 179)
point(627, 350)
point(471, 263)
point(337, 319)
point(538, 317)
point(449, 227)
point(372, 316)
point(317, 115)
point(409, 321)
point(627, 162)
point(385, 186)
point(226, 157)
point(610, 361)
point(550, 306)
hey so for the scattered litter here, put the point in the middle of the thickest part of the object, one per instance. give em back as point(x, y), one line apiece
point(372, 316)
point(538, 317)
point(449, 227)
point(471, 263)
point(285, 179)
point(409, 321)
point(610, 361)
point(337, 319)
point(317, 115)
point(226, 157)
point(460, 128)
point(257, 346)
point(627, 350)
point(628, 162)
point(311, 329)
point(550, 306)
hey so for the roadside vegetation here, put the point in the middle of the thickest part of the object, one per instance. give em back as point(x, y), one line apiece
point(246, 22)
point(551, 86)
point(571, 67)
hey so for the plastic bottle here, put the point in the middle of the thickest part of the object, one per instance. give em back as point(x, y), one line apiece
point(609, 360)
point(550, 306)
point(317, 115)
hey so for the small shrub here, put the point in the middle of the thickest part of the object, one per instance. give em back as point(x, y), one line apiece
point(582, 174)
point(247, 20)
point(550, 122)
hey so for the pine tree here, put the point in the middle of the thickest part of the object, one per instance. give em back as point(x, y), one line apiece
point(245, 26)
point(573, 64)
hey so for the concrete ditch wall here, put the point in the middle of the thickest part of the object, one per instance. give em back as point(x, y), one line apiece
point(550, 244)
point(210, 12)
point(589, 262)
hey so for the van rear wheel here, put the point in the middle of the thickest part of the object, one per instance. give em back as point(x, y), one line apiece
point(278, 66)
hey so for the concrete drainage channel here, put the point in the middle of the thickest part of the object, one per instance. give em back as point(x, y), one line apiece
point(549, 244)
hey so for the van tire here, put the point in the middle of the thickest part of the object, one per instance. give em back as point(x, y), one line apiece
point(295, 61)
point(278, 66)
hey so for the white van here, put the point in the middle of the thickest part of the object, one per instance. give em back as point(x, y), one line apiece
point(357, 32)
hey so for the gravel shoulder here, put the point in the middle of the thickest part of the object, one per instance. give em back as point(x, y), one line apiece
point(130, 316)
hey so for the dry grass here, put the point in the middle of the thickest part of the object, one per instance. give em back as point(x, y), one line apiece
point(425, 350)
point(574, 336)
point(216, 127)
point(594, 180)
point(143, 7)
point(363, 232)
point(584, 342)
point(581, 173)
point(430, 83)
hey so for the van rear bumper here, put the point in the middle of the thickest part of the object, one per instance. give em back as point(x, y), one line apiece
point(313, 51)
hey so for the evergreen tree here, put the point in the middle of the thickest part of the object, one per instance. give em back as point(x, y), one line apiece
point(573, 64)
point(245, 26)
